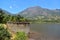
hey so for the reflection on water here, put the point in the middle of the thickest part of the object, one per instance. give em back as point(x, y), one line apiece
point(49, 31)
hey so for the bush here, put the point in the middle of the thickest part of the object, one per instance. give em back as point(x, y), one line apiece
point(4, 34)
point(20, 36)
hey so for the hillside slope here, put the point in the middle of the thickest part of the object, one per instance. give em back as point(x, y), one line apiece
point(37, 11)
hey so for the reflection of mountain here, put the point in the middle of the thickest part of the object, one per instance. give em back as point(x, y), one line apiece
point(36, 11)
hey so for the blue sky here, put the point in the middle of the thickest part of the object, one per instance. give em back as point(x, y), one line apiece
point(15, 6)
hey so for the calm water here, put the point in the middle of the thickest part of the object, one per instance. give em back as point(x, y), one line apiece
point(49, 31)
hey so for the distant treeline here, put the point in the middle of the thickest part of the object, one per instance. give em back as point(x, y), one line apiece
point(45, 21)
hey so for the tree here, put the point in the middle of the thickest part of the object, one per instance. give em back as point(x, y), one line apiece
point(1, 16)
point(4, 34)
point(4, 17)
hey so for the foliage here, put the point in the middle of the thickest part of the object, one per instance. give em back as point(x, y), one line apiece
point(4, 34)
point(20, 36)
point(7, 17)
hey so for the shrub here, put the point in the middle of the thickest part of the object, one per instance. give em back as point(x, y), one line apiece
point(20, 36)
point(4, 34)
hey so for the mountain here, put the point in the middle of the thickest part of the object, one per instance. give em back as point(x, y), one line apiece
point(5, 12)
point(37, 11)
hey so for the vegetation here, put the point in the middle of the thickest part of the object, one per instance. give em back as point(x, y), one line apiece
point(7, 17)
point(20, 36)
point(45, 20)
point(4, 34)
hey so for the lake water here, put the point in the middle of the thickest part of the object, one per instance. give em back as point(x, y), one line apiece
point(49, 31)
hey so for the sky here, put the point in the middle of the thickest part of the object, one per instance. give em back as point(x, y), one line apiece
point(15, 6)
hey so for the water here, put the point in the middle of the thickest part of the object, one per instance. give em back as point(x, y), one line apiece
point(49, 31)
